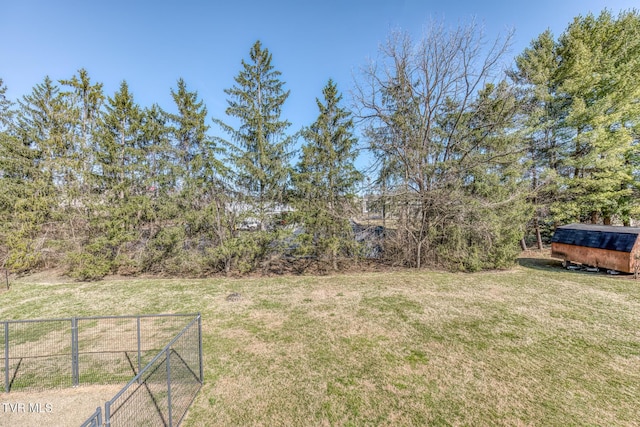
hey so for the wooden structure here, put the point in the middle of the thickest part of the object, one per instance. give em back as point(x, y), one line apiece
point(602, 246)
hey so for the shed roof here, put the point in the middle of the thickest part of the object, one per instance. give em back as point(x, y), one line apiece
point(621, 239)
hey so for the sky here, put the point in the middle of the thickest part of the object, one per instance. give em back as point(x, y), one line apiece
point(151, 44)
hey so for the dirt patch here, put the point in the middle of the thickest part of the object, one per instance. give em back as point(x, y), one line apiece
point(45, 277)
point(62, 407)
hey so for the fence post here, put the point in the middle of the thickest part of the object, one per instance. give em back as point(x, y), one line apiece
point(6, 356)
point(200, 348)
point(107, 413)
point(169, 385)
point(139, 352)
point(75, 371)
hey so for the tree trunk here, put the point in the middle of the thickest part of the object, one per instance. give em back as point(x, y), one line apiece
point(538, 235)
point(523, 244)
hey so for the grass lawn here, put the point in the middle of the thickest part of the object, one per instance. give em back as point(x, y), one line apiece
point(535, 345)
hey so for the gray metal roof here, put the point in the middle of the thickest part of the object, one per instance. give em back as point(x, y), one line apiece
point(621, 239)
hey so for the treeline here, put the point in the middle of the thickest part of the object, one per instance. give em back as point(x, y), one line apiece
point(471, 160)
point(98, 185)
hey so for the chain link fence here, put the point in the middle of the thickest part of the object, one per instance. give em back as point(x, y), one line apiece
point(163, 354)
point(163, 391)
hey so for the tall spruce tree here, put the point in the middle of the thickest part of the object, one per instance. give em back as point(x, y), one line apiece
point(189, 132)
point(325, 180)
point(35, 169)
point(18, 186)
point(166, 173)
point(259, 146)
point(258, 153)
point(124, 202)
point(165, 170)
point(84, 100)
point(199, 182)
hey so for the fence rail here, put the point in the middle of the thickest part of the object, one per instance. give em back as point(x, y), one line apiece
point(95, 420)
point(163, 354)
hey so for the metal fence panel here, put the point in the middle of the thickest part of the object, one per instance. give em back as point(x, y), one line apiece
point(142, 403)
point(185, 385)
point(157, 332)
point(163, 354)
point(163, 391)
point(37, 354)
point(107, 350)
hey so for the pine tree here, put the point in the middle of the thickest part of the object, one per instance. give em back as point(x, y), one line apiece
point(189, 132)
point(197, 179)
point(166, 172)
point(124, 202)
point(259, 147)
point(584, 125)
point(543, 111)
point(325, 179)
point(165, 168)
point(34, 171)
point(259, 158)
point(84, 100)
point(5, 107)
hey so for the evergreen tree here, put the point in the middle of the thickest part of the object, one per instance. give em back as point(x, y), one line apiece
point(5, 107)
point(84, 100)
point(258, 152)
point(582, 118)
point(121, 153)
point(165, 170)
point(197, 180)
point(41, 125)
point(325, 179)
point(259, 147)
point(598, 77)
point(543, 111)
point(124, 202)
point(34, 172)
point(189, 132)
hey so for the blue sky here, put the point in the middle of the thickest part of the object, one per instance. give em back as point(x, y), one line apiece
point(151, 44)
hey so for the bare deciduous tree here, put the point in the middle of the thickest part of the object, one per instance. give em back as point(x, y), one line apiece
point(441, 125)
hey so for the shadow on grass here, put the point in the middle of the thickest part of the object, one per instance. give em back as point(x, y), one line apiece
point(551, 264)
point(546, 264)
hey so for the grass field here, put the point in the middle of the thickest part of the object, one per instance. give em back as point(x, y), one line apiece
point(535, 345)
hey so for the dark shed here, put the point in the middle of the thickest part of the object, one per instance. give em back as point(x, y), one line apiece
point(603, 246)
